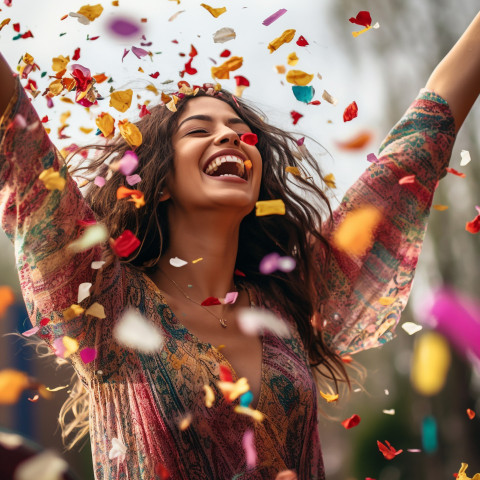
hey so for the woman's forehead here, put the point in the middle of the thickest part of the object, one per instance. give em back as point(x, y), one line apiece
point(206, 105)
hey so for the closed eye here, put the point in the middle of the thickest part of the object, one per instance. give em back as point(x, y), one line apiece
point(197, 131)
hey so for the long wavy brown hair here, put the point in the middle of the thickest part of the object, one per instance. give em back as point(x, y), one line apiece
point(299, 293)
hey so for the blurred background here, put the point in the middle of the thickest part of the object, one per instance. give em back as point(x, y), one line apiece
point(382, 70)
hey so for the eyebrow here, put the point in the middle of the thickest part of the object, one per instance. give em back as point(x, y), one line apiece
point(208, 118)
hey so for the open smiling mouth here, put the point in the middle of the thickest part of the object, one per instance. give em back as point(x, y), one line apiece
point(226, 166)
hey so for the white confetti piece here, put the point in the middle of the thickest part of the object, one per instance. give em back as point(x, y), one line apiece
point(98, 264)
point(465, 155)
point(386, 392)
point(93, 235)
point(328, 98)
point(81, 18)
point(224, 35)
point(134, 331)
point(175, 15)
point(411, 327)
point(10, 440)
point(389, 412)
point(118, 450)
point(253, 321)
point(177, 262)
point(83, 291)
point(44, 466)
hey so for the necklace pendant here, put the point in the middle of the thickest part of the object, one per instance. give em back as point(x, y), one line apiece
point(223, 322)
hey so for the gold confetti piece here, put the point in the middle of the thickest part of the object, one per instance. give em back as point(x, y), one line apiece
point(440, 208)
point(121, 99)
point(96, 310)
point(66, 100)
point(216, 12)
point(60, 63)
point(72, 311)
point(6, 21)
point(28, 59)
point(329, 397)
point(56, 87)
point(293, 170)
point(12, 384)
point(115, 3)
point(91, 11)
point(386, 300)
point(255, 414)
point(85, 130)
point(298, 77)
point(197, 260)
point(355, 234)
point(285, 37)
point(233, 390)
point(292, 59)
point(223, 70)
point(330, 180)
point(463, 476)
point(52, 179)
point(152, 89)
point(64, 117)
point(209, 396)
point(366, 29)
point(269, 207)
point(70, 344)
point(130, 132)
point(280, 69)
point(185, 422)
point(57, 389)
point(105, 123)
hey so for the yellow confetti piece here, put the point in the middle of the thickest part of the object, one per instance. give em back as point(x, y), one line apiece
point(6, 21)
point(185, 422)
point(85, 130)
point(216, 12)
point(463, 476)
point(121, 99)
point(292, 59)
point(28, 59)
point(106, 124)
point(440, 208)
point(171, 105)
point(140, 69)
point(197, 260)
point(115, 3)
point(64, 117)
point(91, 11)
point(72, 311)
point(255, 414)
point(330, 180)
point(52, 179)
point(60, 63)
point(269, 207)
point(223, 70)
point(293, 170)
point(70, 344)
point(56, 389)
point(131, 133)
point(297, 77)
point(285, 37)
point(209, 396)
point(152, 88)
point(66, 100)
point(329, 397)
point(56, 87)
point(233, 390)
point(386, 300)
point(366, 29)
point(12, 384)
point(355, 234)
point(239, 89)
point(96, 310)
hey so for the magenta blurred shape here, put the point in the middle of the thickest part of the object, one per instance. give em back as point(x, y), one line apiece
point(123, 27)
point(458, 318)
point(275, 16)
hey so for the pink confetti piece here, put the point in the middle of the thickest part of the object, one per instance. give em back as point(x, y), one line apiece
point(123, 27)
point(31, 332)
point(88, 355)
point(414, 450)
point(371, 157)
point(273, 261)
point(133, 179)
point(407, 179)
point(59, 347)
point(231, 297)
point(300, 141)
point(99, 181)
point(125, 53)
point(139, 52)
point(275, 16)
point(248, 443)
point(128, 163)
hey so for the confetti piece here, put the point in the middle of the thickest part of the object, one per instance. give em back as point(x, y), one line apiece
point(273, 261)
point(387, 450)
point(91, 11)
point(293, 171)
point(6, 21)
point(197, 260)
point(248, 165)
point(389, 412)
point(357, 142)
point(70, 344)
point(134, 331)
point(407, 179)
point(440, 208)
point(98, 264)
point(7, 298)
point(295, 116)
point(175, 15)
point(223, 71)
point(285, 37)
point(209, 396)
point(249, 138)
point(465, 158)
point(123, 27)
point(246, 399)
point(253, 321)
point(470, 413)
point(105, 123)
point(275, 16)
point(34, 399)
point(248, 444)
point(96, 310)
point(298, 77)
point(463, 476)
point(99, 181)
point(128, 163)
point(233, 390)
point(133, 179)
point(429, 434)
point(329, 180)
point(72, 312)
point(431, 362)
point(42, 466)
point(139, 52)
point(83, 291)
point(280, 69)
point(303, 93)
point(363, 18)
point(177, 262)
point(302, 42)
point(354, 235)
point(92, 236)
point(474, 225)
point(350, 112)
point(224, 35)
point(211, 301)
point(125, 244)
point(292, 59)
point(351, 422)
point(30, 332)
point(52, 179)
point(118, 450)
point(411, 328)
point(231, 297)
point(269, 207)
point(185, 422)
point(130, 132)
point(88, 355)
point(121, 99)
point(12, 384)
point(455, 172)
point(329, 397)
point(216, 12)
point(255, 414)
point(386, 300)
point(81, 18)
point(60, 63)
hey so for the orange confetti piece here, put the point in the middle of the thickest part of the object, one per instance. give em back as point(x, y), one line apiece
point(12, 384)
point(248, 164)
point(6, 299)
point(280, 69)
point(357, 142)
point(470, 413)
point(293, 171)
point(216, 12)
point(292, 59)
point(387, 450)
point(6, 21)
point(440, 208)
point(131, 133)
point(455, 172)
point(91, 11)
point(285, 37)
point(298, 77)
point(223, 70)
point(351, 422)
point(137, 196)
point(329, 397)
point(100, 78)
point(121, 99)
point(105, 123)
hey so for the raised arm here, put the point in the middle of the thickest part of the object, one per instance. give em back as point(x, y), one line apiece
point(457, 76)
point(7, 84)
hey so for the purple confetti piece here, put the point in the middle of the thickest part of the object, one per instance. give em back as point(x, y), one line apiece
point(139, 52)
point(88, 355)
point(133, 179)
point(371, 157)
point(269, 263)
point(128, 163)
point(269, 20)
point(125, 53)
point(99, 181)
point(124, 27)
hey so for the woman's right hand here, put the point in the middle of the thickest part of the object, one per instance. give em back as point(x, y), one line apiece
point(286, 475)
point(7, 84)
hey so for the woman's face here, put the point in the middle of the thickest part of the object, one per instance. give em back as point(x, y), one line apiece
point(209, 160)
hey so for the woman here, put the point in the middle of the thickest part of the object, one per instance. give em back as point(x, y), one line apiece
point(152, 412)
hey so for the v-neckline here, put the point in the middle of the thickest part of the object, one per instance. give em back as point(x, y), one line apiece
point(193, 338)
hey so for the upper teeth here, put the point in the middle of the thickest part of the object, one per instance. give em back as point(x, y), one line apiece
point(216, 162)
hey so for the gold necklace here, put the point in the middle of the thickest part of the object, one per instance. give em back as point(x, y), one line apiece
point(221, 319)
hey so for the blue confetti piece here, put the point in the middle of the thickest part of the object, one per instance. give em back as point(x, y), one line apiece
point(246, 399)
point(303, 93)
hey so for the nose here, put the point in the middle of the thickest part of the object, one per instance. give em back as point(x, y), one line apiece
point(227, 136)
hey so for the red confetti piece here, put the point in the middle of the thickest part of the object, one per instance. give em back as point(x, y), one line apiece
point(193, 51)
point(155, 75)
point(16, 27)
point(225, 374)
point(144, 111)
point(175, 41)
point(407, 179)
point(225, 53)
point(44, 321)
point(455, 172)
point(302, 41)
point(241, 81)
point(76, 54)
point(351, 422)
point(363, 18)
point(239, 273)
point(188, 69)
point(64, 17)
point(470, 413)
point(8, 3)
point(347, 359)
point(45, 119)
point(350, 112)
point(125, 244)
point(387, 450)
point(301, 141)
point(94, 38)
point(162, 472)
point(315, 102)
point(211, 301)
point(474, 225)
point(28, 34)
point(249, 138)
point(295, 116)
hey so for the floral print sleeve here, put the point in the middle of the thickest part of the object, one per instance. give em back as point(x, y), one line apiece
point(420, 145)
